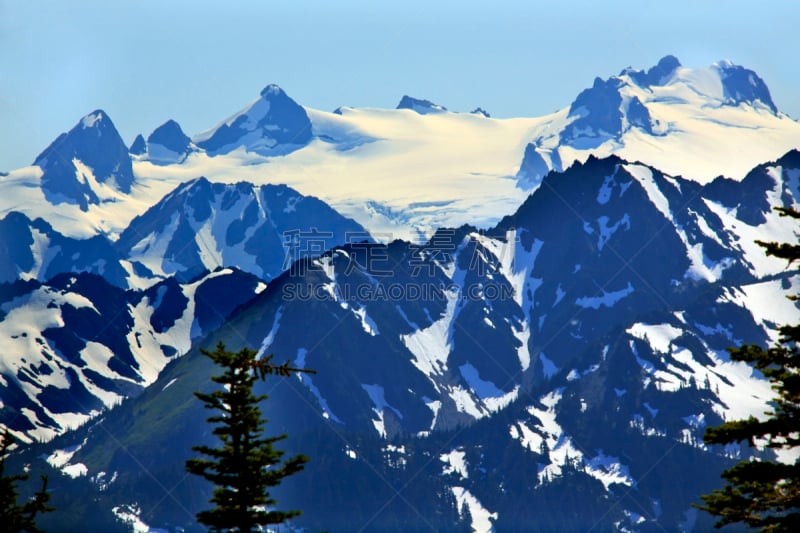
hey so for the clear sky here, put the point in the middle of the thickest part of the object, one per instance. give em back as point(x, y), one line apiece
point(199, 61)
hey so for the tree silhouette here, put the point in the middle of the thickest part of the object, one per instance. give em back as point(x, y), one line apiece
point(765, 494)
point(13, 516)
point(245, 465)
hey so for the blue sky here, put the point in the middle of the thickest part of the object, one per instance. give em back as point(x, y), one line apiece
point(198, 61)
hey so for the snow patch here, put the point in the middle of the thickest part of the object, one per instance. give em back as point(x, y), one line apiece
point(481, 517)
point(455, 463)
point(660, 336)
point(431, 346)
point(608, 299)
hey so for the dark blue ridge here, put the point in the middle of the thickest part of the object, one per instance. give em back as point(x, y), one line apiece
point(138, 147)
point(418, 104)
point(742, 85)
point(655, 75)
point(170, 136)
point(94, 141)
point(293, 125)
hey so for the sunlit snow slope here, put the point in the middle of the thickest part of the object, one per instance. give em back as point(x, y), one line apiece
point(400, 172)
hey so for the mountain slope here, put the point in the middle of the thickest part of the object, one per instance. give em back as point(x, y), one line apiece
point(97, 320)
point(405, 174)
point(721, 119)
point(565, 357)
point(76, 344)
point(398, 172)
point(575, 362)
point(34, 250)
point(202, 226)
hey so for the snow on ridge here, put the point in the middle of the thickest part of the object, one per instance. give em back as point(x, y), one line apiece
point(91, 119)
point(412, 157)
point(644, 175)
point(130, 515)
point(728, 379)
point(434, 406)
point(549, 368)
point(559, 445)
point(515, 264)
point(258, 111)
point(42, 254)
point(270, 337)
point(40, 310)
point(775, 228)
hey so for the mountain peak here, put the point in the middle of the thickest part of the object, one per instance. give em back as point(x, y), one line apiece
point(741, 85)
point(138, 146)
point(656, 75)
point(423, 107)
point(272, 90)
point(168, 144)
point(603, 112)
point(272, 125)
point(669, 61)
point(94, 118)
point(167, 130)
point(91, 153)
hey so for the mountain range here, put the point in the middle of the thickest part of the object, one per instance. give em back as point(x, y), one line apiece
point(517, 324)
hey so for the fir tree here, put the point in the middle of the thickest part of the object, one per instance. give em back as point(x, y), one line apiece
point(246, 465)
point(13, 516)
point(765, 494)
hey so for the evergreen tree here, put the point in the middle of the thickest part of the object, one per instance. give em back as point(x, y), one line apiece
point(765, 494)
point(246, 465)
point(13, 516)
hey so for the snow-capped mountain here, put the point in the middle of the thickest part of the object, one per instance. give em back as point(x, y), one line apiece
point(575, 361)
point(418, 105)
point(720, 119)
point(272, 125)
point(34, 250)
point(513, 307)
point(402, 174)
point(165, 146)
point(56, 292)
point(198, 227)
point(565, 343)
point(201, 226)
point(85, 164)
point(77, 344)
